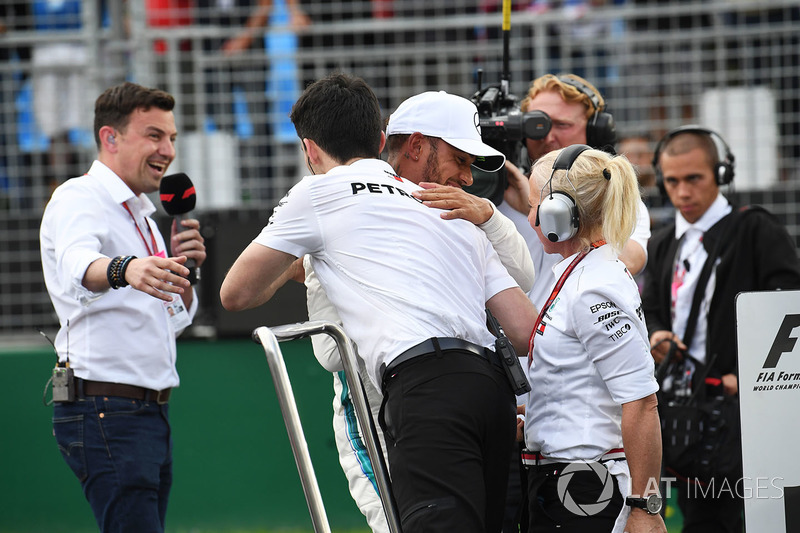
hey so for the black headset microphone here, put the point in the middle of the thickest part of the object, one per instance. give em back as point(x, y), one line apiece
point(178, 197)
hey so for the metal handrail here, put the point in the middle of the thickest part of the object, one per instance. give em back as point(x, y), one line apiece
point(297, 440)
point(269, 338)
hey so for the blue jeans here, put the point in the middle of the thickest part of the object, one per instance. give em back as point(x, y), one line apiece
point(121, 451)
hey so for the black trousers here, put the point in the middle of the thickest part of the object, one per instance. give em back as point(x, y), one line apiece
point(515, 519)
point(449, 423)
point(584, 493)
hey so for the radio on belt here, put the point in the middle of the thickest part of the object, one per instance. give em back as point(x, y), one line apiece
point(63, 383)
point(508, 357)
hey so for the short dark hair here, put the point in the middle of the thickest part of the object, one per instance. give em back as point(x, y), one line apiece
point(684, 142)
point(341, 114)
point(114, 107)
point(394, 142)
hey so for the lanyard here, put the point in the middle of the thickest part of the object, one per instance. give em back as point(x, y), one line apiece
point(154, 251)
point(552, 297)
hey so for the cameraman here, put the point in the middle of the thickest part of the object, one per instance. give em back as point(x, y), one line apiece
point(577, 111)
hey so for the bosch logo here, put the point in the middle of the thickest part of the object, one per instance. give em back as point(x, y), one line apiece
point(606, 316)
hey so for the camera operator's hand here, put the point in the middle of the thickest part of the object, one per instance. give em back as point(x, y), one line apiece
point(458, 202)
point(516, 194)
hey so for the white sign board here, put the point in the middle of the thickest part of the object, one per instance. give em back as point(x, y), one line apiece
point(768, 330)
point(752, 137)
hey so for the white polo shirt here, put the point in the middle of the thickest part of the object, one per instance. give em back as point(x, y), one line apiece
point(395, 271)
point(591, 357)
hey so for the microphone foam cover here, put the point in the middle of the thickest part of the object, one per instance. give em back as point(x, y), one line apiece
point(177, 194)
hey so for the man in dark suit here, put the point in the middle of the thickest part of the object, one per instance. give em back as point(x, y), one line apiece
point(748, 249)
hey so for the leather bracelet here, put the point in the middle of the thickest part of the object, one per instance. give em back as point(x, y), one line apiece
point(112, 272)
point(116, 271)
point(123, 267)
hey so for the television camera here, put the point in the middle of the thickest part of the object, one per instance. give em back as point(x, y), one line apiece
point(504, 126)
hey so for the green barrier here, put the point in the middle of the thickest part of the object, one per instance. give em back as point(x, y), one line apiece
point(234, 469)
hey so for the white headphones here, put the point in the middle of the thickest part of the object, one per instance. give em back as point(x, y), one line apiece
point(557, 215)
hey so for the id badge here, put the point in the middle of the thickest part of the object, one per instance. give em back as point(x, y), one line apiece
point(178, 315)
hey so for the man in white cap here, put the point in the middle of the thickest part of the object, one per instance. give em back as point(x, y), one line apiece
point(431, 139)
point(417, 127)
point(410, 289)
point(434, 140)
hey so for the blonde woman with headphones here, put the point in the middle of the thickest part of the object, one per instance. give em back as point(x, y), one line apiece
point(592, 435)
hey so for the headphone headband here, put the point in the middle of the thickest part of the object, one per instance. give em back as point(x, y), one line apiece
point(568, 156)
point(592, 94)
point(601, 131)
point(723, 171)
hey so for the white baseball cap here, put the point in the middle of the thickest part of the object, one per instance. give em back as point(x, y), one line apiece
point(452, 118)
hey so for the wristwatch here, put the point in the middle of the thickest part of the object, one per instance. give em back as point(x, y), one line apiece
point(651, 505)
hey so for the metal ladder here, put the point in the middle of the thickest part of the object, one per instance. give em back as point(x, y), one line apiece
point(268, 338)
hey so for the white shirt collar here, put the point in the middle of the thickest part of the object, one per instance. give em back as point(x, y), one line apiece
point(119, 190)
point(718, 209)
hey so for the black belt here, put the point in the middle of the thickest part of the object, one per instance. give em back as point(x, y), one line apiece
point(444, 343)
point(85, 387)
